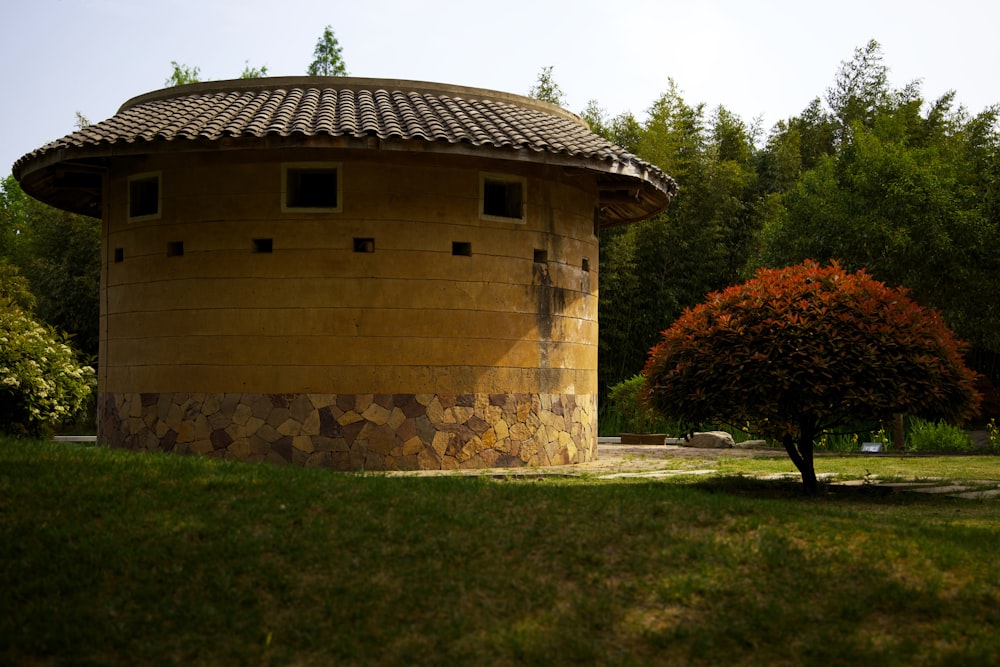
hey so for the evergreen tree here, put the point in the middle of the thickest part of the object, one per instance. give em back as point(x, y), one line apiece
point(327, 56)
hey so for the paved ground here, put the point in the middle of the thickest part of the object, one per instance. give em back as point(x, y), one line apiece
point(617, 461)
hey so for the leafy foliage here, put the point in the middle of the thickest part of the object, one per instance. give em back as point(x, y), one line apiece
point(546, 89)
point(903, 188)
point(939, 436)
point(327, 56)
point(632, 413)
point(652, 270)
point(59, 254)
point(253, 72)
point(41, 382)
point(182, 74)
point(798, 351)
point(868, 175)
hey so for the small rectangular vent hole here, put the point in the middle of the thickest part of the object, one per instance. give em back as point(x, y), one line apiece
point(263, 246)
point(119, 255)
point(462, 248)
point(541, 256)
point(364, 245)
point(175, 248)
point(586, 264)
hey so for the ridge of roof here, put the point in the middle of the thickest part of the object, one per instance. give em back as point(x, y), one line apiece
point(354, 84)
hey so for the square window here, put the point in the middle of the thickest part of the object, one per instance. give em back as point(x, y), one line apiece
point(264, 246)
point(461, 248)
point(541, 256)
point(502, 197)
point(311, 187)
point(175, 248)
point(144, 197)
point(364, 245)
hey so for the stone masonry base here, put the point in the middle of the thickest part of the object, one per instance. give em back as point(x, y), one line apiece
point(358, 431)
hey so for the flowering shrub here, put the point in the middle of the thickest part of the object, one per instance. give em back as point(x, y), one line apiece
point(798, 351)
point(41, 382)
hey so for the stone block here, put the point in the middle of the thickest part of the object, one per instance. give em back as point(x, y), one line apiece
point(425, 430)
point(300, 408)
point(253, 425)
point(441, 442)
point(320, 401)
point(318, 460)
point(435, 413)
point(210, 405)
point(303, 443)
point(427, 459)
point(406, 430)
point(290, 427)
point(349, 417)
point(242, 414)
point(258, 446)
point(240, 449)
point(382, 439)
point(228, 403)
point(376, 414)
point(217, 421)
point(711, 440)
point(311, 425)
point(268, 434)
point(345, 402)
point(413, 446)
point(278, 416)
point(220, 439)
point(396, 419)
point(163, 405)
point(362, 401)
point(185, 432)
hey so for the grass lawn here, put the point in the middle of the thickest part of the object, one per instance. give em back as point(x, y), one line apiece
point(114, 558)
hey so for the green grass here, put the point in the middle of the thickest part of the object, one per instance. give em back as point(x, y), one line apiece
point(114, 558)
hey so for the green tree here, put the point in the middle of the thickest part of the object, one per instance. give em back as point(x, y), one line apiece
point(59, 254)
point(41, 381)
point(327, 56)
point(546, 89)
point(253, 72)
point(182, 74)
point(652, 270)
point(908, 199)
point(795, 352)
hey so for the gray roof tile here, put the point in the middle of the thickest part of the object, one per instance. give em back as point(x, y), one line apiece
point(353, 108)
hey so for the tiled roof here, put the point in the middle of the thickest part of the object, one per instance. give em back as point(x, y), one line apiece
point(447, 117)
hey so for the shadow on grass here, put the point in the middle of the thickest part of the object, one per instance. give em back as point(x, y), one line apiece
point(792, 489)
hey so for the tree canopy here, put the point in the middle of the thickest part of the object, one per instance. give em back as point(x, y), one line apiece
point(868, 175)
point(798, 351)
point(546, 89)
point(328, 59)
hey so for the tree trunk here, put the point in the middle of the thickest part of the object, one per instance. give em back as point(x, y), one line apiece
point(802, 457)
point(898, 440)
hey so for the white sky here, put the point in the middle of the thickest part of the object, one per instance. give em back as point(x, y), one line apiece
point(767, 58)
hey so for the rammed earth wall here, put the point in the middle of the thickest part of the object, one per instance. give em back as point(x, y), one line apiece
point(358, 431)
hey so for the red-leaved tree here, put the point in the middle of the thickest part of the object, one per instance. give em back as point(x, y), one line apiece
point(795, 352)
